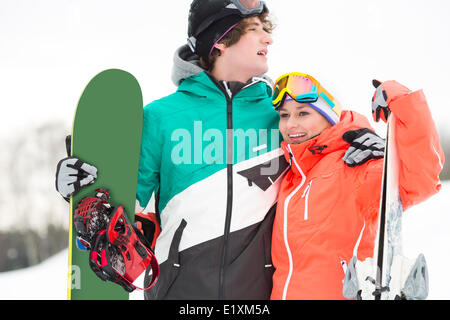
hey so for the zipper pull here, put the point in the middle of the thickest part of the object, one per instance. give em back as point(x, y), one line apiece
point(230, 94)
point(307, 189)
point(306, 196)
point(290, 158)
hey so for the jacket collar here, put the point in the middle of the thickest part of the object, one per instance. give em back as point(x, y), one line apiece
point(204, 84)
point(304, 156)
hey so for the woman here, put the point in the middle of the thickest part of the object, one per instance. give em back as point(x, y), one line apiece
point(327, 211)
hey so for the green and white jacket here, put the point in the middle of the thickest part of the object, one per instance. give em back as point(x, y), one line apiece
point(211, 151)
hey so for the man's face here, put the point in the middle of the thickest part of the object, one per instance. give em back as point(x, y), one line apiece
point(248, 57)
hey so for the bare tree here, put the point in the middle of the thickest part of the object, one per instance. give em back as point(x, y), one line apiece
point(29, 186)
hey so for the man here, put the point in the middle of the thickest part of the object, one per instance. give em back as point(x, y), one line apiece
point(211, 153)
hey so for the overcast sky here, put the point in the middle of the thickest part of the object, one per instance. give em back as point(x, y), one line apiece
point(49, 49)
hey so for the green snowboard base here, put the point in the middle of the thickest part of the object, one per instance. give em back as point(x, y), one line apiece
point(106, 134)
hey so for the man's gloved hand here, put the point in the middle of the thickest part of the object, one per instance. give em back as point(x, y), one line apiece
point(72, 174)
point(364, 145)
point(385, 94)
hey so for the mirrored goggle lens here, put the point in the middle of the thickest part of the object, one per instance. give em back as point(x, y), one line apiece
point(249, 6)
point(299, 87)
point(302, 88)
point(279, 87)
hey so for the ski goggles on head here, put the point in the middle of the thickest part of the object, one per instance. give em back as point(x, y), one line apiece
point(247, 7)
point(242, 7)
point(300, 87)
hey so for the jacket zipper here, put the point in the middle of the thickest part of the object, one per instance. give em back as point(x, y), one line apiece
point(230, 155)
point(285, 222)
point(306, 197)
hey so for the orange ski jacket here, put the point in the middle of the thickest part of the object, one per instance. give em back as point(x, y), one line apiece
point(327, 212)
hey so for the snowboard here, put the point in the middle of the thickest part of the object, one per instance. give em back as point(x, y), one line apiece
point(106, 133)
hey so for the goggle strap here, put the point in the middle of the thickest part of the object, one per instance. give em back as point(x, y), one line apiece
point(307, 97)
point(327, 100)
point(229, 29)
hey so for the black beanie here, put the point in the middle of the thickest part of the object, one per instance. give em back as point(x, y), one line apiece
point(208, 38)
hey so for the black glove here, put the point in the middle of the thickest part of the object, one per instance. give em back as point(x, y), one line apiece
point(364, 145)
point(72, 174)
point(385, 93)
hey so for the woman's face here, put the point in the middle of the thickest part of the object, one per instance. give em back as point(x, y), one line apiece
point(299, 122)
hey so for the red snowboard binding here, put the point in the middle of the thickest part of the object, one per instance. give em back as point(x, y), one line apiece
point(118, 250)
point(91, 215)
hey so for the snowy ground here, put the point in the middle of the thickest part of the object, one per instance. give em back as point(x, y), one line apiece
point(426, 230)
point(46, 281)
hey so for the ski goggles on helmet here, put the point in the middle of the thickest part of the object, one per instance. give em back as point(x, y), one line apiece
point(243, 8)
point(247, 7)
point(302, 88)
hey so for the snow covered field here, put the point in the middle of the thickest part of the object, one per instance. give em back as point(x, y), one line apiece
point(45, 281)
point(426, 230)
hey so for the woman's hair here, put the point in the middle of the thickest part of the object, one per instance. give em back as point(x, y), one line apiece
point(234, 36)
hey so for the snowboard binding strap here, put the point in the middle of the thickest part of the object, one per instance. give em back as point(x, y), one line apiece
point(91, 215)
point(119, 252)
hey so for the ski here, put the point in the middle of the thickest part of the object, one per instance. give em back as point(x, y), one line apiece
point(388, 275)
point(388, 242)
